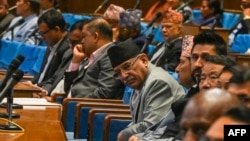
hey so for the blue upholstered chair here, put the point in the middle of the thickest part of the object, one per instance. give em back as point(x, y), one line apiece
point(33, 55)
point(241, 43)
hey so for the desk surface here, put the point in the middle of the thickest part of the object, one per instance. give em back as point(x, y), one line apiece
point(40, 123)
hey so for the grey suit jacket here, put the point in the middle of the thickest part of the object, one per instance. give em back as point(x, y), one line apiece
point(154, 100)
point(97, 80)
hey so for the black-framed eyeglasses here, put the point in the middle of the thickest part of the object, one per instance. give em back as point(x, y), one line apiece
point(126, 67)
point(244, 98)
point(45, 32)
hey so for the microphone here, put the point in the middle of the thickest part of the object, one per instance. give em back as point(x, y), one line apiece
point(105, 2)
point(13, 26)
point(12, 8)
point(137, 5)
point(148, 40)
point(184, 5)
point(12, 67)
point(215, 21)
point(16, 77)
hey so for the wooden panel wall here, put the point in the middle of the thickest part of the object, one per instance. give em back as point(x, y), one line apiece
point(89, 6)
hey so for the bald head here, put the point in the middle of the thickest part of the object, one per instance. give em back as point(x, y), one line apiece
point(203, 109)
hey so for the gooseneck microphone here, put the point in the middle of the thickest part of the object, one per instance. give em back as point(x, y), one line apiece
point(157, 16)
point(12, 68)
point(215, 21)
point(16, 77)
point(105, 2)
point(137, 5)
point(21, 21)
point(184, 5)
point(12, 8)
point(148, 40)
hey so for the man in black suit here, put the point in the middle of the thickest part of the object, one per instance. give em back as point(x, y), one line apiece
point(52, 28)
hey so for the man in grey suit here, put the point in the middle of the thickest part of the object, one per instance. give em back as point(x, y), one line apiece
point(154, 89)
point(90, 73)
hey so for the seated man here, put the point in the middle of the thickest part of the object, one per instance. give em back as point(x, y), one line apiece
point(239, 115)
point(90, 73)
point(154, 89)
point(5, 16)
point(130, 27)
point(202, 110)
point(52, 28)
point(167, 56)
point(27, 11)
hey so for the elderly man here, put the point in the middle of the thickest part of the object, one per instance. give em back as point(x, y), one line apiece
point(168, 55)
point(27, 11)
point(130, 27)
point(184, 74)
point(202, 110)
point(5, 16)
point(112, 16)
point(154, 89)
point(212, 70)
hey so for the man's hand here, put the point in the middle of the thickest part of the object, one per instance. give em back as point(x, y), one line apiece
point(40, 94)
point(119, 137)
point(78, 54)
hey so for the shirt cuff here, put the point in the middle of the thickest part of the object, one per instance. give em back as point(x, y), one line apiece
point(73, 67)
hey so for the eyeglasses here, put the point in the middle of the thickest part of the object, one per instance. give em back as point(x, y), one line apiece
point(213, 78)
point(244, 98)
point(125, 68)
point(45, 32)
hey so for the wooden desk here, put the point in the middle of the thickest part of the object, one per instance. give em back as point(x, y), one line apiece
point(37, 112)
point(20, 89)
point(40, 123)
point(23, 90)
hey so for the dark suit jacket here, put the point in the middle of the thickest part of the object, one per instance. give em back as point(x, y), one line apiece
point(97, 81)
point(5, 21)
point(55, 62)
point(171, 58)
point(51, 83)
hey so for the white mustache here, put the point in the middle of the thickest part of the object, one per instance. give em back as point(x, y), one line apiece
point(128, 79)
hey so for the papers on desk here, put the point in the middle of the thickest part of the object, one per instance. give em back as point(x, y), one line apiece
point(32, 102)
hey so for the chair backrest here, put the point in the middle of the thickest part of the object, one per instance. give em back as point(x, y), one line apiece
point(69, 110)
point(82, 113)
point(96, 121)
point(114, 124)
point(241, 43)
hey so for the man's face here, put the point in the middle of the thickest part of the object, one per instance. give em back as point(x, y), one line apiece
point(89, 41)
point(210, 75)
point(133, 71)
point(198, 55)
point(241, 90)
point(75, 37)
point(170, 31)
point(245, 4)
point(50, 36)
point(205, 10)
point(124, 33)
point(22, 7)
point(195, 122)
point(184, 72)
point(215, 132)
point(3, 10)
point(224, 79)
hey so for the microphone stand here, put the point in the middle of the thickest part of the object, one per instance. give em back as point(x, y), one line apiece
point(137, 5)
point(9, 107)
point(148, 40)
point(100, 6)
